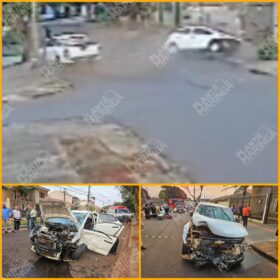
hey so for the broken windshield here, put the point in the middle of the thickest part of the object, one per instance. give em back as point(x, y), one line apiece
point(224, 214)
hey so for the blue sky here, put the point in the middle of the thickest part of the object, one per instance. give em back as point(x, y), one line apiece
point(104, 195)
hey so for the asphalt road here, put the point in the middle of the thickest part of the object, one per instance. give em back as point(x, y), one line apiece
point(162, 258)
point(159, 104)
point(20, 262)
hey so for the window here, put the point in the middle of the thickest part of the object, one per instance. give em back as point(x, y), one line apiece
point(89, 223)
point(42, 195)
point(219, 213)
point(183, 31)
point(104, 218)
point(80, 217)
point(201, 31)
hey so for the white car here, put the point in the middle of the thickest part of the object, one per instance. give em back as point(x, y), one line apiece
point(68, 48)
point(200, 38)
point(213, 235)
point(65, 234)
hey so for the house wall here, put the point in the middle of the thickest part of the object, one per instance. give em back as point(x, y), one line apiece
point(60, 196)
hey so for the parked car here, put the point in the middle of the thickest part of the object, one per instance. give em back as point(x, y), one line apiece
point(65, 235)
point(200, 38)
point(213, 235)
point(70, 47)
point(120, 212)
point(180, 208)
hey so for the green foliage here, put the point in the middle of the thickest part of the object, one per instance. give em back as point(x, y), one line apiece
point(268, 50)
point(172, 192)
point(15, 13)
point(130, 197)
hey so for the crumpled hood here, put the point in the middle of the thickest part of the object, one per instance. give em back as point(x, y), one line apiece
point(220, 227)
point(56, 209)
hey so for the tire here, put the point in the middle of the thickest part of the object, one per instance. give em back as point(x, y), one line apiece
point(77, 253)
point(173, 47)
point(215, 47)
point(57, 59)
point(186, 249)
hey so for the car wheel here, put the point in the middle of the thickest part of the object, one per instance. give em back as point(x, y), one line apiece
point(57, 59)
point(173, 47)
point(215, 46)
point(186, 249)
point(81, 249)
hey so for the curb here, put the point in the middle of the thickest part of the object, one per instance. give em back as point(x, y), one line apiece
point(265, 254)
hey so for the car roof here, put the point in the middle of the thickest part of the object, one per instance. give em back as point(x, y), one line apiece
point(212, 204)
point(83, 211)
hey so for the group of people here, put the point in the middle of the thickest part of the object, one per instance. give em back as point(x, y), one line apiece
point(9, 215)
point(243, 212)
point(153, 210)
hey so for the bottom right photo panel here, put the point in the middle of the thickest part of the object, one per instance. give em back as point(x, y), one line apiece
point(204, 231)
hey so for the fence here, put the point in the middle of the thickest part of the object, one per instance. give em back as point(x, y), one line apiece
point(257, 206)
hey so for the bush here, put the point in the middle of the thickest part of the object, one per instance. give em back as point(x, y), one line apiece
point(268, 50)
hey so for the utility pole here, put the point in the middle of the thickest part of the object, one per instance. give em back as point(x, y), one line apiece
point(64, 194)
point(160, 12)
point(88, 197)
point(34, 32)
point(177, 14)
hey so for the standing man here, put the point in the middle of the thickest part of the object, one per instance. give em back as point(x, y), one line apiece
point(27, 215)
point(245, 215)
point(33, 216)
point(6, 216)
point(17, 218)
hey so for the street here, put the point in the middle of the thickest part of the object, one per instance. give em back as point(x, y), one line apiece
point(162, 258)
point(158, 103)
point(19, 261)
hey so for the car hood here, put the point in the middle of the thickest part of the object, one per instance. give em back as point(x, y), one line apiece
point(56, 209)
point(220, 227)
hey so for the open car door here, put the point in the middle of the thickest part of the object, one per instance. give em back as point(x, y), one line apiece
point(98, 242)
point(108, 224)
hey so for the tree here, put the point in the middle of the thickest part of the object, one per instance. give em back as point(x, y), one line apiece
point(238, 189)
point(172, 192)
point(17, 16)
point(130, 197)
point(193, 194)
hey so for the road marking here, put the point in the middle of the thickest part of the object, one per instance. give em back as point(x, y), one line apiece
point(159, 237)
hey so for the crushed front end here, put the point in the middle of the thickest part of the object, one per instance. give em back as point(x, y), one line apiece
point(54, 241)
point(223, 252)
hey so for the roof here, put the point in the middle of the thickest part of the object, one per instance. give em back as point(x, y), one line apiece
point(212, 204)
point(118, 207)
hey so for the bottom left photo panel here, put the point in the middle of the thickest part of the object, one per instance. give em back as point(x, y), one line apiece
point(70, 231)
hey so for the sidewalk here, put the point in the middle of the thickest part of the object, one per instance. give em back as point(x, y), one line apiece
point(127, 262)
point(263, 240)
point(248, 58)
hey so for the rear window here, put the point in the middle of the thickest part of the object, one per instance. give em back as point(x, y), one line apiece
point(219, 213)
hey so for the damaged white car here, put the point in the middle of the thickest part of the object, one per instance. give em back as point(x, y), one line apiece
point(65, 235)
point(212, 235)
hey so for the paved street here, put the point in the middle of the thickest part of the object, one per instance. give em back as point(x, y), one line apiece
point(19, 261)
point(162, 258)
point(159, 104)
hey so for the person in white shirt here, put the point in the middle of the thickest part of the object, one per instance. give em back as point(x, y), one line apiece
point(33, 216)
point(17, 218)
